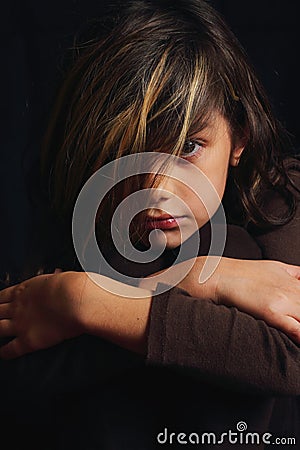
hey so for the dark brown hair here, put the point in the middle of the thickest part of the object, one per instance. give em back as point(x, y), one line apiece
point(152, 75)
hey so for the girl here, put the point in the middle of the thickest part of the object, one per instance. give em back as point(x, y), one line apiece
point(170, 78)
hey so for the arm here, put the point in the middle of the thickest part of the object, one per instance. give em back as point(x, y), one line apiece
point(176, 330)
point(221, 344)
point(172, 329)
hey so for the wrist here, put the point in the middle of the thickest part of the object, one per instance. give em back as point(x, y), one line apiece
point(69, 287)
point(225, 288)
point(191, 283)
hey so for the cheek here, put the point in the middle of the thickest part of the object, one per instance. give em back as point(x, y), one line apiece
point(217, 170)
point(219, 184)
point(210, 196)
point(201, 208)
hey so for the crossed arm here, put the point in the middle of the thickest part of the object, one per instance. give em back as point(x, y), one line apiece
point(170, 329)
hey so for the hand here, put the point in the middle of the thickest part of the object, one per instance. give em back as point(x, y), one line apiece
point(267, 290)
point(47, 309)
point(41, 312)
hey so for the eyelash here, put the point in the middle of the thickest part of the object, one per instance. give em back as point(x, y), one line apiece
point(197, 152)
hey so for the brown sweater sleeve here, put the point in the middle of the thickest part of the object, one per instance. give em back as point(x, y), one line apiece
point(220, 344)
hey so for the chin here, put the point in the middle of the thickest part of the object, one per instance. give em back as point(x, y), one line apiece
point(173, 241)
point(173, 244)
point(165, 239)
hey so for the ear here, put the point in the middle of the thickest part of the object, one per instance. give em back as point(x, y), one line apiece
point(236, 152)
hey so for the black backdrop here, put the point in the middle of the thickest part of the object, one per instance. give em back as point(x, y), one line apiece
point(35, 36)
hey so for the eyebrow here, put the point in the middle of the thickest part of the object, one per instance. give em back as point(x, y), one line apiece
point(206, 134)
point(198, 135)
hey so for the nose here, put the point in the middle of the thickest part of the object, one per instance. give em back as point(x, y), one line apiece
point(160, 200)
point(167, 198)
point(163, 190)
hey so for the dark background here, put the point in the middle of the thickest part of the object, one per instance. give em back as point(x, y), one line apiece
point(36, 36)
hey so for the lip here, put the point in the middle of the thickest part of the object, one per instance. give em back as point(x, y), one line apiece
point(164, 222)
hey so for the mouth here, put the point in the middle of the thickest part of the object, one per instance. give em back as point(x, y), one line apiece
point(164, 222)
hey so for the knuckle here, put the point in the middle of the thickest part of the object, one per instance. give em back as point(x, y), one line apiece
point(277, 304)
point(19, 289)
point(270, 311)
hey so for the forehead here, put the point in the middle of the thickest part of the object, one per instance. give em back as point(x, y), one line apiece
point(217, 126)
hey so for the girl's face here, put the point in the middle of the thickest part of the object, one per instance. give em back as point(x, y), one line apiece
point(209, 150)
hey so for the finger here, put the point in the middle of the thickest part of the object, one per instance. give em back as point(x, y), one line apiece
point(13, 349)
point(7, 328)
point(6, 294)
point(294, 308)
point(290, 326)
point(5, 311)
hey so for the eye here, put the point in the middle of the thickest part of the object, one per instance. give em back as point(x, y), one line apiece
point(191, 148)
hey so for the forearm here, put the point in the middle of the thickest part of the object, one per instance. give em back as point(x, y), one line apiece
point(122, 320)
point(223, 345)
point(213, 341)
